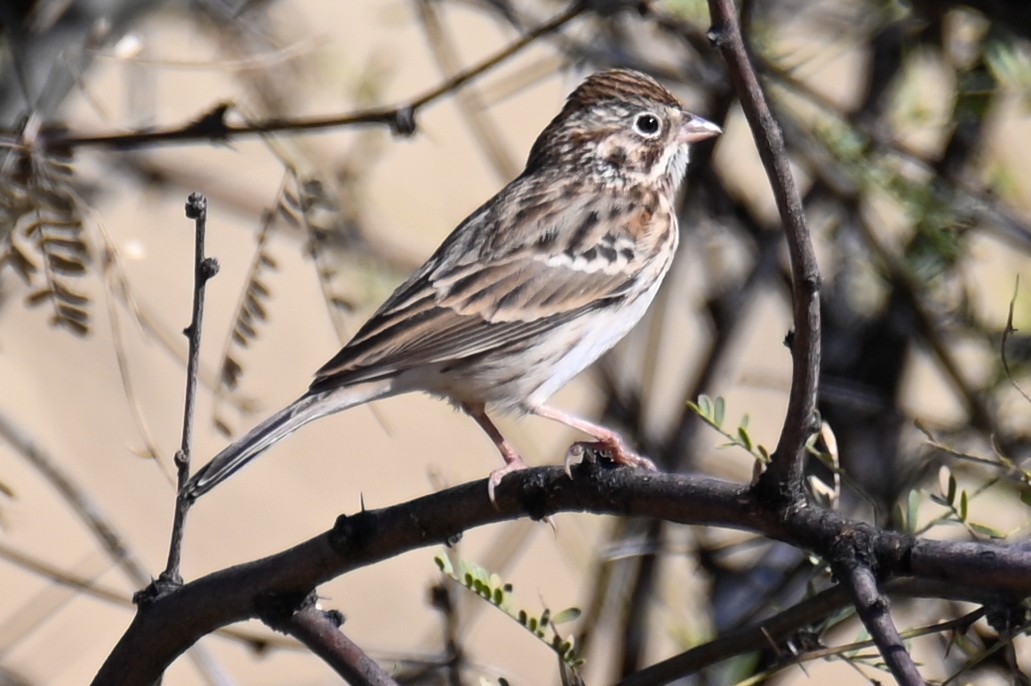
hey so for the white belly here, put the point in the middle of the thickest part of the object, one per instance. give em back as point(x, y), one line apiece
point(517, 385)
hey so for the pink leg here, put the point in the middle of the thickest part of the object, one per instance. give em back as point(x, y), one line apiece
point(608, 440)
point(513, 461)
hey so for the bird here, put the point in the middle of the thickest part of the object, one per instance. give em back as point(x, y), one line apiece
point(531, 288)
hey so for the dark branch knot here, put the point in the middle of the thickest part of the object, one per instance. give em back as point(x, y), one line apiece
point(854, 546)
point(403, 122)
point(208, 267)
point(276, 609)
point(717, 38)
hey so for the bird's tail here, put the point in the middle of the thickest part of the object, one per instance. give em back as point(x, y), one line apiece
point(307, 408)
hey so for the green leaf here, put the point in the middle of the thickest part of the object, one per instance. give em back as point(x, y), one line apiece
point(746, 440)
point(494, 590)
point(720, 410)
point(567, 615)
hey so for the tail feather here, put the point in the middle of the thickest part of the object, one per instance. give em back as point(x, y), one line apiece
point(308, 407)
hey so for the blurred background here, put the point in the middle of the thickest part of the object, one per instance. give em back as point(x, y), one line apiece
point(909, 132)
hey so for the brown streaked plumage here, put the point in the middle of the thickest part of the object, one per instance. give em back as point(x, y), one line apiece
point(532, 287)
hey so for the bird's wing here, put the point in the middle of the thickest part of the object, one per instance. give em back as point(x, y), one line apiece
point(474, 297)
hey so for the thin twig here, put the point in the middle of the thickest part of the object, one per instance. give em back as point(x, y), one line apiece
point(470, 103)
point(994, 213)
point(90, 515)
point(76, 498)
point(979, 412)
point(782, 480)
point(872, 607)
point(320, 631)
point(86, 586)
point(779, 629)
point(82, 584)
point(1008, 331)
point(212, 125)
point(204, 268)
point(761, 635)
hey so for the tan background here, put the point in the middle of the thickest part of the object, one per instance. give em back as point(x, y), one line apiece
point(68, 395)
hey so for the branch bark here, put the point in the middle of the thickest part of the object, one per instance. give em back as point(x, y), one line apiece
point(872, 608)
point(166, 627)
point(782, 480)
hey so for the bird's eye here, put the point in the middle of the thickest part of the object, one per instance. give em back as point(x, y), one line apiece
point(647, 124)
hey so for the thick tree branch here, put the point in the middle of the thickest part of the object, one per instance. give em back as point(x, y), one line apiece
point(164, 628)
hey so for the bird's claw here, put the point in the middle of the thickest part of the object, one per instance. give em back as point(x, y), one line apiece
point(511, 465)
point(616, 451)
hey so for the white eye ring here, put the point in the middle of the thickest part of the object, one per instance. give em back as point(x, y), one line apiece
point(647, 124)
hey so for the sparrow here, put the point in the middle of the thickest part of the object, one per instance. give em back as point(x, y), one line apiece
point(531, 288)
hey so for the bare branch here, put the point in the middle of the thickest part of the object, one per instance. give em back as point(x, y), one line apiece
point(204, 268)
point(783, 477)
point(212, 125)
point(320, 631)
point(171, 623)
point(872, 608)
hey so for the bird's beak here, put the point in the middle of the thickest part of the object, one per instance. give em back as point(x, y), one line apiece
point(696, 129)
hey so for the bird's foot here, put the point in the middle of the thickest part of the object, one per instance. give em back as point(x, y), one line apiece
point(611, 446)
point(513, 463)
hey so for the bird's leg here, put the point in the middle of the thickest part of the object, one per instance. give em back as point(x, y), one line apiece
point(513, 461)
point(607, 440)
